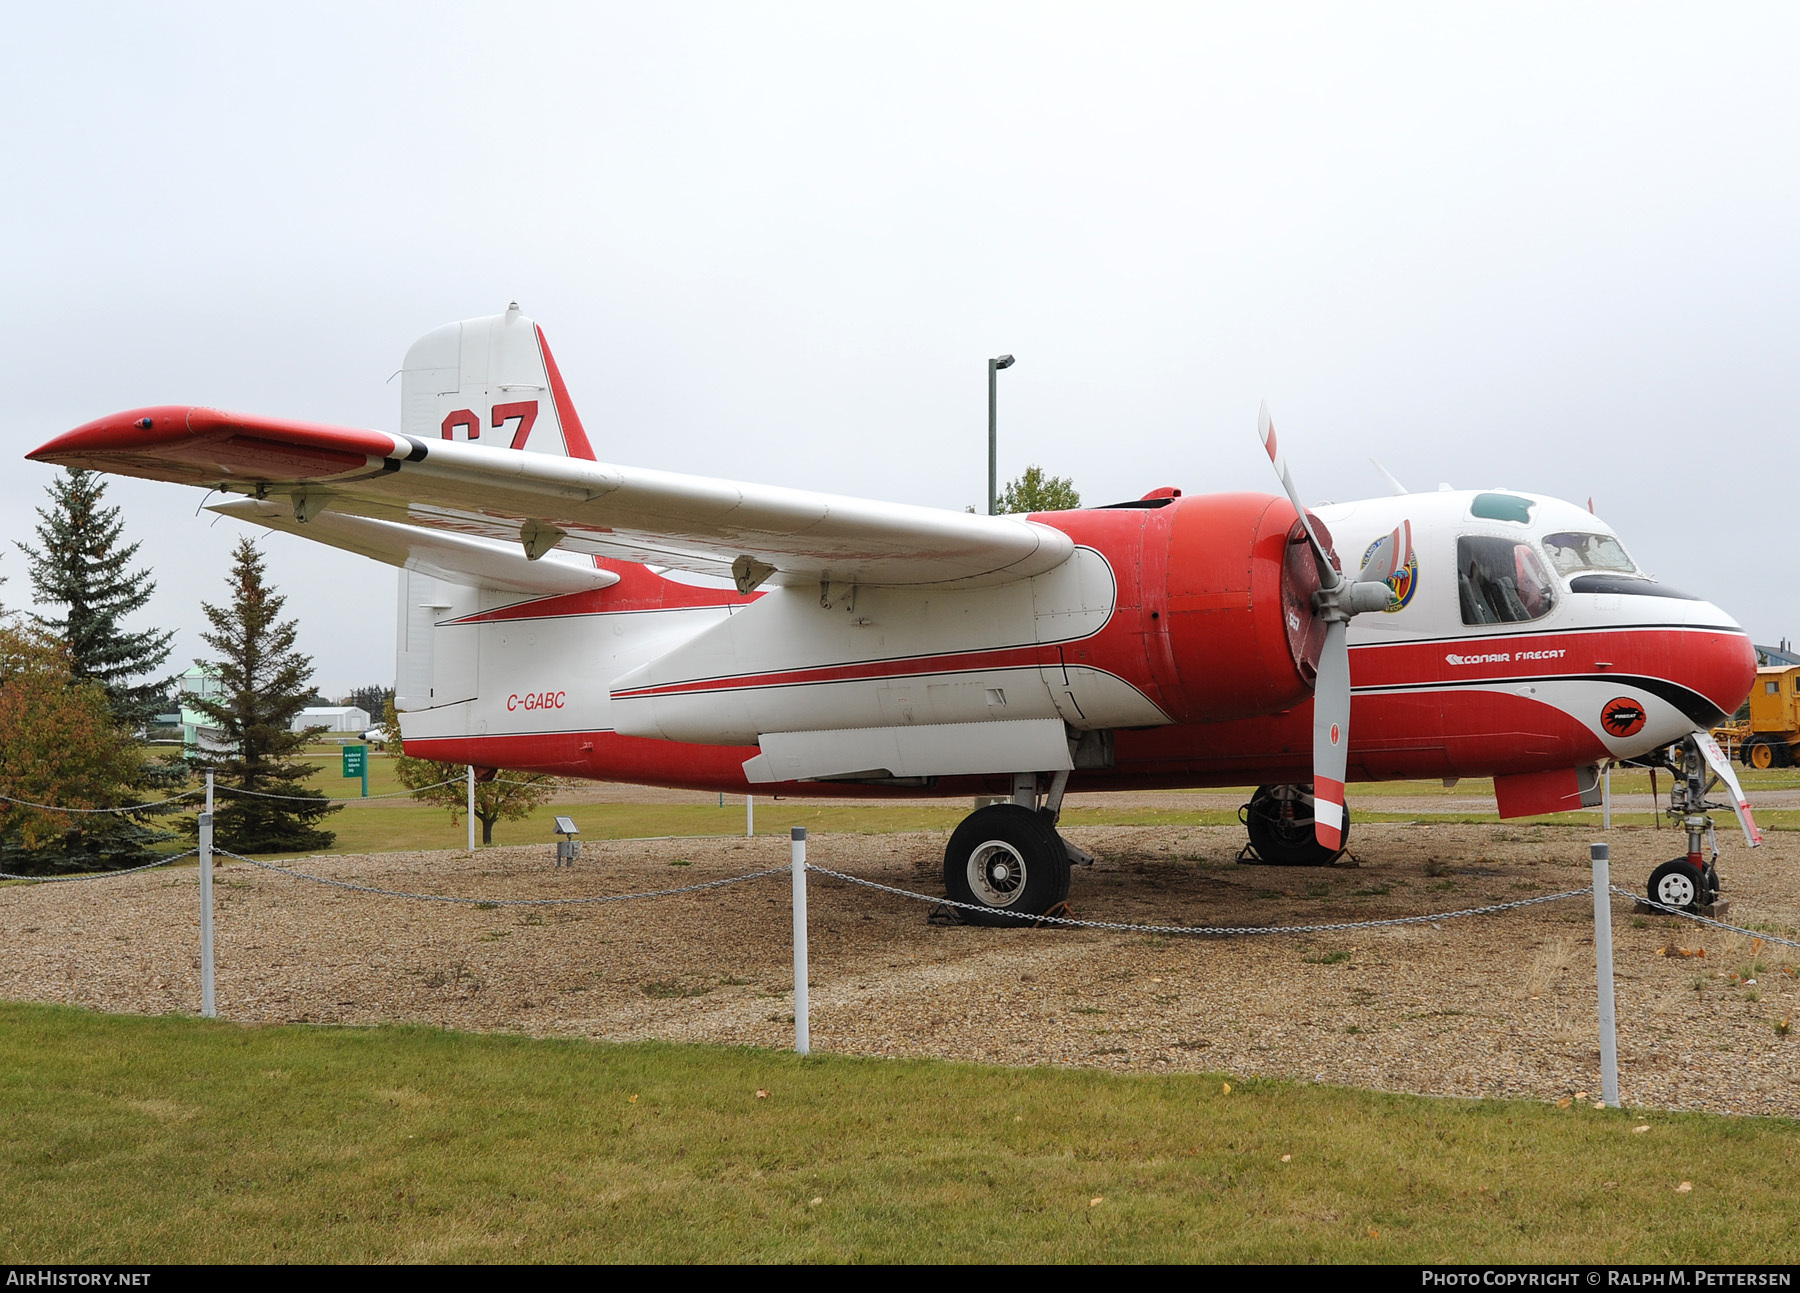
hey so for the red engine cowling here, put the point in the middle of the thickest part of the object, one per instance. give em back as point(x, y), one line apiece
point(1237, 618)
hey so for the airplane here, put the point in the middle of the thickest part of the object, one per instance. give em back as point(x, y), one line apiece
point(563, 615)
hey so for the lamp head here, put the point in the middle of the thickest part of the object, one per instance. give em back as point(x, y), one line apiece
point(1004, 361)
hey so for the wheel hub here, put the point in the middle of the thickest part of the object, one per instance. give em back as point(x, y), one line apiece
point(1675, 891)
point(997, 873)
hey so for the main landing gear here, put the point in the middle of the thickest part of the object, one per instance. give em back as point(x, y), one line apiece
point(1007, 860)
point(1280, 822)
point(1692, 880)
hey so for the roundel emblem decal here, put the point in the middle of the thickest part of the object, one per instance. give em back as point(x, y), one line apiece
point(1623, 716)
point(1403, 583)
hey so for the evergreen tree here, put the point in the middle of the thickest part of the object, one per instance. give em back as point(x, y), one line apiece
point(372, 700)
point(81, 563)
point(506, 796)
point(1037, 492)
point(264, 683)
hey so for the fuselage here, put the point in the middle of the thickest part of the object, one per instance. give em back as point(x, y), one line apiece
point(1171, 646)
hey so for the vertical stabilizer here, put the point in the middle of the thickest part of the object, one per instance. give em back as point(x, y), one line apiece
point(490, 381)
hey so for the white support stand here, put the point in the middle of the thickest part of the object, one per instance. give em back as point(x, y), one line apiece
point(1606, 797)
point(802, 1003)
point(749, 816)
point(471, 808)
point(1603, 974)
point(207, 1007)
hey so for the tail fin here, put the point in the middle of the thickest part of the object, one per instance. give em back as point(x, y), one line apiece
point(492, 381)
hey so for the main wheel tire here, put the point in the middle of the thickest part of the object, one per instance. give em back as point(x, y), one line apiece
point(1679, 883)
point(1280, 824)
point(1009, 862)
point(1759, 755)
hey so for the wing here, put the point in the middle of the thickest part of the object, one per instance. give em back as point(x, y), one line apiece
point(301, 471)
point(454, 557)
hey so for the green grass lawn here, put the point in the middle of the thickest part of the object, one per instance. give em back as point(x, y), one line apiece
point(178, 1140)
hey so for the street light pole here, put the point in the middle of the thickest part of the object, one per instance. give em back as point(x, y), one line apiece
point(994, 366)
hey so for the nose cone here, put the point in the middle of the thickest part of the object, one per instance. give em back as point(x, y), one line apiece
point(1717, 662)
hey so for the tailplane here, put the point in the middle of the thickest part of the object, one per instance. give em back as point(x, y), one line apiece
point(490, 381)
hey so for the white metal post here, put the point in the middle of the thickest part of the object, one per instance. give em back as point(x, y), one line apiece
point(1606, 797)
point(471, 808)
point(749, 816)
point(1603, 974)
point(802, 1004)
point(207, 1010)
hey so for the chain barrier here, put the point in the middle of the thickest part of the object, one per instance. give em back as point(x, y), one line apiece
point(1131, 928)
point(234, 790)
point(98, 875)
point(504, 902)
point(1699, 919)
point(352, 799)
point(131, 808)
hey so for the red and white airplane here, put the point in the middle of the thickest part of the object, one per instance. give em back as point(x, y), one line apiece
point(565, 615)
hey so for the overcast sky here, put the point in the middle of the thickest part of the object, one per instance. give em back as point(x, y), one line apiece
point(1550, 249)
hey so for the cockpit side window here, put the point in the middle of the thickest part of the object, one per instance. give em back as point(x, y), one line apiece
point(1501, 581)
point(1573, 553)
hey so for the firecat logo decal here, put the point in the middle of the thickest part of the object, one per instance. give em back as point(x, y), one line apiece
point(1623, 716)
point(1402, 583)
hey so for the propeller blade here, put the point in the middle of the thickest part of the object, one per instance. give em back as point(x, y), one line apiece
point(1331, 735)
point(1335, 602)
point(1328, 575)
point(1721, 767)
point(1393, 554)
point(1394, 487)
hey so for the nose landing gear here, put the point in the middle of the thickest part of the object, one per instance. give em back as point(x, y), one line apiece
point(1691, 881)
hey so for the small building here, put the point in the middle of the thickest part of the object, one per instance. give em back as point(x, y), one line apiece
point(335, 719)
point(198, 733)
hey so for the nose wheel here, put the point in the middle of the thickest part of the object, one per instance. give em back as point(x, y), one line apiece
point(1684, 885)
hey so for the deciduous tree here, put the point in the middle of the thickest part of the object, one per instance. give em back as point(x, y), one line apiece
point(506, 796)
point(1037, 492)
point(60, 745)
point(263, 684)
point(82, 563)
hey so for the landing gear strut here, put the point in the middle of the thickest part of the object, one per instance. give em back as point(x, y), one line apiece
point(1280, 822)
point(1007, 860)
point(1692, 880)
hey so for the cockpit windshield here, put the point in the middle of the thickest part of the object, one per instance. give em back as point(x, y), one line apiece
point(1573, 553)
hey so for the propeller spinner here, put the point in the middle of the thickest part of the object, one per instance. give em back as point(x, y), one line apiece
point(1336, 601)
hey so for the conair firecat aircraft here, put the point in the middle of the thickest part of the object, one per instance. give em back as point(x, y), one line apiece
point(568, 616)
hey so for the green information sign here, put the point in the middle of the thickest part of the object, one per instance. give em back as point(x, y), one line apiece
point(356, 764)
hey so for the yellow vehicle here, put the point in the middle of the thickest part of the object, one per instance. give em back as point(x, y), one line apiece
point(1770, 738)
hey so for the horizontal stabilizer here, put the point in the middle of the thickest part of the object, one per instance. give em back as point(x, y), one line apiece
point(921, 750)
point(455, 558)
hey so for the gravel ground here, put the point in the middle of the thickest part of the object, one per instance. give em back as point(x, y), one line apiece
point(1491, 1005)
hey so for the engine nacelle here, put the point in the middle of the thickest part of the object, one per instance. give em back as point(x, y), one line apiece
point(1215, 602)
point(1239, 619)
